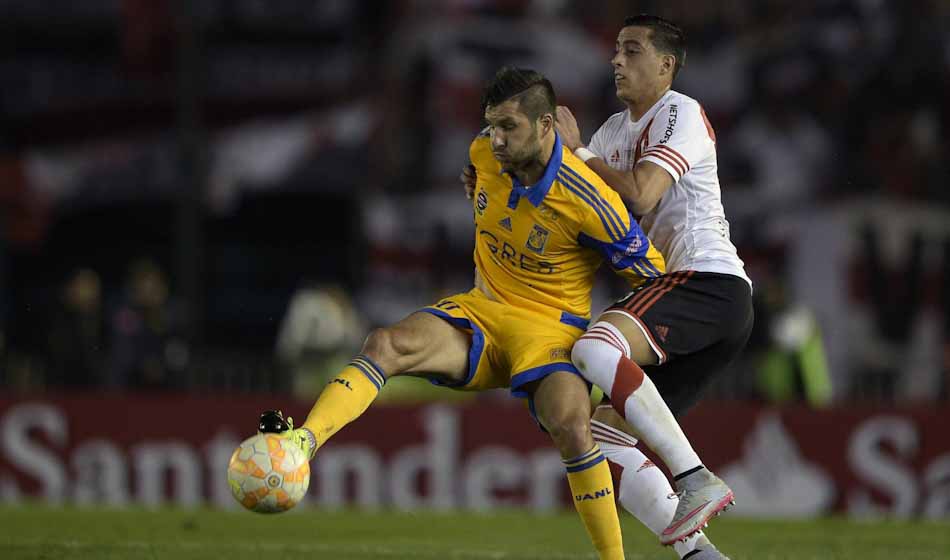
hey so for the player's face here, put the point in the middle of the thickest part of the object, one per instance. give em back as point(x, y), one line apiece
point(637, 65)
point(515, 139)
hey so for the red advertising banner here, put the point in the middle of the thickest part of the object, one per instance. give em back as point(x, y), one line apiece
point(150, 450)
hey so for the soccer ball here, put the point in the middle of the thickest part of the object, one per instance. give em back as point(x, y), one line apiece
point(268, 474)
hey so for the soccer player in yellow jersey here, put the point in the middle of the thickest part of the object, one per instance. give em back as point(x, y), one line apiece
point(543, 224)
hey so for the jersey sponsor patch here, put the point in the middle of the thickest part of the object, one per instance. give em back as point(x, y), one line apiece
point(670, 124)
point(537, 239)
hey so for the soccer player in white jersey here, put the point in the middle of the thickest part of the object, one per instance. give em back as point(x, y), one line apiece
point(674, 334)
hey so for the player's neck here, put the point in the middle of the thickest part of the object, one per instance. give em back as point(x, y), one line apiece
point(639, 107)
point(532, 171)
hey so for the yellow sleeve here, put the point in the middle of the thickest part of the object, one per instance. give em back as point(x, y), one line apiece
point(609, 228)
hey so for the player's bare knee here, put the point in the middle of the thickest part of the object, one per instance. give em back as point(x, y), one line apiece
point(570, 432)
point(389, 347)
point(377, 345)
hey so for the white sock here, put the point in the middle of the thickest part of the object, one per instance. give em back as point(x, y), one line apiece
point(603, 357)
point(643, 489)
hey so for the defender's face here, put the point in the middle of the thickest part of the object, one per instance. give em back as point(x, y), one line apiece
point(637, 65)
point(515, 139)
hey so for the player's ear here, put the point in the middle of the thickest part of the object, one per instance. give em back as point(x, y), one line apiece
point(547, 123)
point(667, 64)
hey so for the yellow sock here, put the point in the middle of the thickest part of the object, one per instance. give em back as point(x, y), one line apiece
point(345, 398)
point(593, 492)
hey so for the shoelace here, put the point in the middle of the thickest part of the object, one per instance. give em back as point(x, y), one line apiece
point(302, 438)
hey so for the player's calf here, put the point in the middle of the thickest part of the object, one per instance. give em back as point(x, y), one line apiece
point(562, 407)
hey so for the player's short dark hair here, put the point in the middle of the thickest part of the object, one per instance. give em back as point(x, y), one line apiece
point(667, 37)
point(534, 92)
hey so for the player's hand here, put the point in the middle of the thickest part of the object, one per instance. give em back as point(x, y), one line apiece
point(468, 179)
point(567, 127)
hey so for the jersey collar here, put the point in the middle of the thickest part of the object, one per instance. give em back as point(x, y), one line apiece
point(651, 112)
point(536, 193)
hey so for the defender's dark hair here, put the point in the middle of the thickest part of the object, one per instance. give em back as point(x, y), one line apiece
point(534, 93)
point(667, 37)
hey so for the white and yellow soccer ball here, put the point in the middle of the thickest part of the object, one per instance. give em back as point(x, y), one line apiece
point(268, 474)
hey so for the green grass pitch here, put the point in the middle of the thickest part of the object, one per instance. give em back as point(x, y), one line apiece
point(76, 533)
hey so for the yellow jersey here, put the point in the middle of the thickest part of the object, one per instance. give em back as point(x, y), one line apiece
point(538, 247)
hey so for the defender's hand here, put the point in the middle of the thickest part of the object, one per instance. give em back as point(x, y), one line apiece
point(567, 127)
point(468, 179)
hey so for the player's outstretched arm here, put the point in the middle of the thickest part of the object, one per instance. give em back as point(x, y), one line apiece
point(641, 188)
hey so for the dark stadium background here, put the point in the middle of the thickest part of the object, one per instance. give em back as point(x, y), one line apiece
point(205, 205)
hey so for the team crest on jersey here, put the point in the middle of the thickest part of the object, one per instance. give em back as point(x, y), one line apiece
point(537, 239)
point(615, 157)
point(505, 223)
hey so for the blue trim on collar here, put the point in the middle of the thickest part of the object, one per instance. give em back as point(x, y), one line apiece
point(536, 193)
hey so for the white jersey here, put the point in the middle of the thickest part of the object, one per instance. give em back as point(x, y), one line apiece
point(689, 224)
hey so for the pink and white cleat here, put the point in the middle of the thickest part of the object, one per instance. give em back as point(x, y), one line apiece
point(701, 496)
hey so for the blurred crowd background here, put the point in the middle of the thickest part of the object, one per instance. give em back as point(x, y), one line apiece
point(225, 195)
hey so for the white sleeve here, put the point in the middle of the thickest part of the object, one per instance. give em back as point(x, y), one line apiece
point(679, 138)
point(597, 142)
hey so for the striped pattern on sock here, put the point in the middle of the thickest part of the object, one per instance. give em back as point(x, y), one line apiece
point(605, 332)
point(372, 371)
point(584, 461)
point(607, 434)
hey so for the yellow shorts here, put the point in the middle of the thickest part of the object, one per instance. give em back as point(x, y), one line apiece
point(510, 346)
